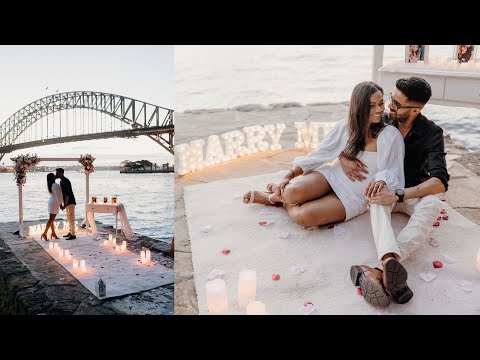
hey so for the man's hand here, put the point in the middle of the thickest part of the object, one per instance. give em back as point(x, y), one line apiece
point(385, 196)
point(353, 168)
point(373, 188)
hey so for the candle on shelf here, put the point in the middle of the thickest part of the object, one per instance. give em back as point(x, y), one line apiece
point(217, 299)
point(75, 264)
point(256, 308)
point(247, 287)
point(83, 268)
point(124, 245)
point(478, 260)
point(50, 246)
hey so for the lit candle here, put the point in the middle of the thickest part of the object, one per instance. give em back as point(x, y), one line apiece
point(58, 249)
point(75, 264)
point(256, 308)
point(247, 287)
point(142, 257)
point(124, 245)
point(55, 247)
point(83, 268)
point(478, 260)
point(217, 299)
point(50, 246)
point(109, 238)
point(69, 257)
point(114, 241)
point(66, 253)
point(60, 254)
point(148, 256)
point(105, 242)
point(117, 248)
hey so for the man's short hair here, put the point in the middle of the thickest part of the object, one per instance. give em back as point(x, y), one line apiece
point(60, 170)
point(415, 89)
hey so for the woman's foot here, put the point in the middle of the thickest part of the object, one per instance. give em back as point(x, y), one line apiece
point(54, 236)
point(259, 197)
point(44, 236)
point(271, 187)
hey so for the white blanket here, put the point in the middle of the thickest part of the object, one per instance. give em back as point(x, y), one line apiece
point(218, 220)
point(122, 272)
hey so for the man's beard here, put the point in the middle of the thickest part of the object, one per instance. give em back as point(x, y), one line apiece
point(397, 118)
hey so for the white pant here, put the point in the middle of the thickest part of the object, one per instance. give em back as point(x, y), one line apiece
point(423, 214)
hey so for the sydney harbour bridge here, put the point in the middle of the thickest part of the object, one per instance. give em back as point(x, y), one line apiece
point(85, 115)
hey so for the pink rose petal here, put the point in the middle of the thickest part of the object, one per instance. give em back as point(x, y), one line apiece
point(439, 218)
point(445, 217)
point(308, 303)
point(436, 224)
point(225, 252)
point(437, 264)
point(275, 276)
point(443, 211)
point(359, 292)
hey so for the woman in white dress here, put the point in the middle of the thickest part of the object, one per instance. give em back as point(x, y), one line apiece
point(323, 194)
point(54, 202)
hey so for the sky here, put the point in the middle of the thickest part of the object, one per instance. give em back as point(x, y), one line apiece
point(144, 73)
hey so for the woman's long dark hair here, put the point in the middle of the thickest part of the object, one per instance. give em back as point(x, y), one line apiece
point(359, 113)
point(50, 181)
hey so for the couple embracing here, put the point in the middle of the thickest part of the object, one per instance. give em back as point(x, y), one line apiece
point(390, 162)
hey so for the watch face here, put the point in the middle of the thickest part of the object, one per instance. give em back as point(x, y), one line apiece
point(399, 192)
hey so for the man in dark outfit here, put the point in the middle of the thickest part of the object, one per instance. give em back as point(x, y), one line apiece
point(425, 175)
point(68, 202)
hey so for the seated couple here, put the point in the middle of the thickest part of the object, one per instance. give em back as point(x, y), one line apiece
point(391, 162)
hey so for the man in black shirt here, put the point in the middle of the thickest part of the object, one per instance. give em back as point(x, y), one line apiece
point(68, 202)
point(425, 175)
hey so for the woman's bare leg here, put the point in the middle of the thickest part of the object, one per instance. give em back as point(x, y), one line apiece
point(308, 187)
point(50, 224)
point(326, 210)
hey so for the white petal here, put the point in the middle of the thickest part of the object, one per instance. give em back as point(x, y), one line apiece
point(427, 276)
point(448, 259)
point(338, 230)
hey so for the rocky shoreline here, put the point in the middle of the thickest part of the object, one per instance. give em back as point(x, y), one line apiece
point(33, 283)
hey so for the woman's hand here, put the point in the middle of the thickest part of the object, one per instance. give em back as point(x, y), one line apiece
point(373, 188)
point(285, 181)
point(353, 168)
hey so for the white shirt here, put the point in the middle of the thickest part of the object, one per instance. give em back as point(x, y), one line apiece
point(390, 153)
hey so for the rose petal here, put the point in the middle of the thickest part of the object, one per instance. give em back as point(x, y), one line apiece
point(439, 218)
point(225, 251)
point(265, 212)
point(437, 264)
point(427, 276)
point(215, 274)
point(338, 230)
point(284, 235)
point(466, 285)
point(308, 308)
point(448, 259)
point(308, 303)
point(359, 292)
point(443, 211)
point(434, 242)
point(275, 276)
point(206, 229)
point(265, 223)
point(445, 217)
point(436, 224)
point(297, 269)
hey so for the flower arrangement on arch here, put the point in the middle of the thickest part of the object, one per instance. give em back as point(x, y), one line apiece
point(22, 163)
point(87, 162)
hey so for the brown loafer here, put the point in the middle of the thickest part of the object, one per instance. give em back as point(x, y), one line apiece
point(371, 283)
point(395, 281)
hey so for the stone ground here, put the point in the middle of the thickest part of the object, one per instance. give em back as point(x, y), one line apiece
point(32, 282)
point(464, 169)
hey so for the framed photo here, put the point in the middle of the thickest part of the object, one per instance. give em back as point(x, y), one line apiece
point(114, 199)
point(105, 199)
point(94, 199)
point(465, 53)
point(416, 54)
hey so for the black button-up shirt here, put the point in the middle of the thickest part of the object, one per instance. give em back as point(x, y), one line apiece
point(68, 197)
point(424, 152)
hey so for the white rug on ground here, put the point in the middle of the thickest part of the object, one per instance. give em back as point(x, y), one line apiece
point(122, 272)
point(218, 220)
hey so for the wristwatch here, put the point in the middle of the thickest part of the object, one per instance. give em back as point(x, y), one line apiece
point(400, 193)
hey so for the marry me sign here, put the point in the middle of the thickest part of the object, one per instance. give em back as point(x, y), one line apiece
point(252, 139)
